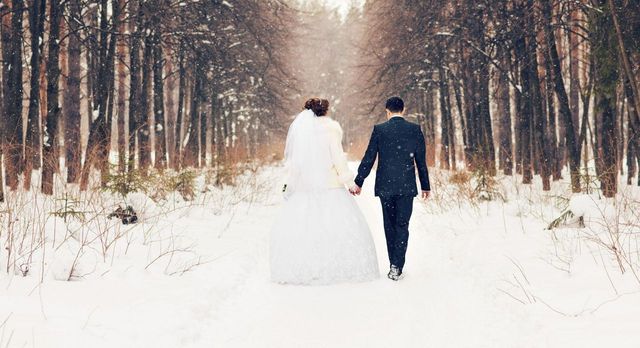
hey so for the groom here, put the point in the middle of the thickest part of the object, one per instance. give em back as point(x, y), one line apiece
point(400, 148)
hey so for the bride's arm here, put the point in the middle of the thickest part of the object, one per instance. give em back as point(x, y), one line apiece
point(338, 156)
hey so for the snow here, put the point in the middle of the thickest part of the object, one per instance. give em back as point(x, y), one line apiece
point(477, 275)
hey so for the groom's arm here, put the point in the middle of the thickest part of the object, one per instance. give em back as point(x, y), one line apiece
point(421, 162)
point(369, 159)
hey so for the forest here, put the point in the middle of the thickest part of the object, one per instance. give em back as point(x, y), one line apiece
point(104, 86)
point(526, 87)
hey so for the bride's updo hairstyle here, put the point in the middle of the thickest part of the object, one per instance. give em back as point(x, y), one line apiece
point(320, 107)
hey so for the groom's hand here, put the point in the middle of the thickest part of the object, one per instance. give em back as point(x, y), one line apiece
point(355, 190)
point(425, 194)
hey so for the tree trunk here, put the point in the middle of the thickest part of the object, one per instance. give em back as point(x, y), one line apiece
point(445, 117)
point(4, 27)
point(37, 11)
point(540, 127)
point(158, 105)
point(134, 82)
point(170, 114)
point(633, 135)
point(221, 149)
point(58, 145)
point(429, 128)
point(98, 145)
point(458, 95)
point(606, 78)
point(73, 150)
point(574, 69)
point(519, 107)
point(190, 152)
point(624, 59)
point(181, 93)
point(484, 156)
point(53, 108)
point(471, 146)
point(216, 111)
point(143, 119)
point(121, 102)
point(525, 114)
point(504, 111)
point(105, 148)
point(13, 92)
point(556, 158)
point(563, 99)
point(202, 132)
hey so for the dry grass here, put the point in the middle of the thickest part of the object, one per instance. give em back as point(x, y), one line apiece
point(73, 225)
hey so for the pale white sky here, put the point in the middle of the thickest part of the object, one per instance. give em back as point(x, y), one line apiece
point(343, 5)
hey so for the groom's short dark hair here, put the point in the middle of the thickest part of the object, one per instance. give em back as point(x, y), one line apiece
point(395, 104)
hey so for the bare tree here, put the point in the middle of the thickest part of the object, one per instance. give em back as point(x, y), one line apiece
point(50, 131)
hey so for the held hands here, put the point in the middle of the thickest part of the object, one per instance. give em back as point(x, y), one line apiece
point(355, 190)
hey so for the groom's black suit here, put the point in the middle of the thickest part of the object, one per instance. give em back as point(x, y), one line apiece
point(400, 148)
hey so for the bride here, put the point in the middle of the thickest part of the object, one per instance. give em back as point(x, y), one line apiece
point(321, 236)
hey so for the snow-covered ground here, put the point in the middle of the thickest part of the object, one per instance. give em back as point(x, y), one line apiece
point(477, 275)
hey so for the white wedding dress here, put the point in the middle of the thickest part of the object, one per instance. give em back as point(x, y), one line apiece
point(321, 236)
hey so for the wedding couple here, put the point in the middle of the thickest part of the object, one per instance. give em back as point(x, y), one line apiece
point(322, 236)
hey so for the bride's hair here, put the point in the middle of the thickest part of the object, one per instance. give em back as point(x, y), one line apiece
point(318, 106)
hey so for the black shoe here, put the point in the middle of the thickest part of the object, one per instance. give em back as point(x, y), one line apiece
point(395, 273)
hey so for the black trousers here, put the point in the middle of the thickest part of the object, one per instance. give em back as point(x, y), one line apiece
point(396, 212)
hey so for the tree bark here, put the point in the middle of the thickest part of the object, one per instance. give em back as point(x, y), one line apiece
point(98, 145)
point(73, 150)
point(190, 152)
point(625, 63)
point(445, 121)
point(181, 96)
point(525, 114)
point(13, 92)
point(202, 131)
point(606, 79)
point(158, 105)
point(429, 128)
point(574, 69)
point(134, 82)
point(540, 125)
point(144, 131)
point(633, 136)
point(170, 113)
point(50, 130)
point(504, 110)
point(457, 93)
point(32, 137)
point(5, 26)
point(121, 102)
point(563, 99)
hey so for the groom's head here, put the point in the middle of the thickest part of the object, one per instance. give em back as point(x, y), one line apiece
point(394, 106)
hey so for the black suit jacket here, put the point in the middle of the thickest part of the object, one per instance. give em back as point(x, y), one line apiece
point(400, 148)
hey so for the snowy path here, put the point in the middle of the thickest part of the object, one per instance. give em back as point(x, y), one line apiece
point(436, 305)
point(458, 290)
